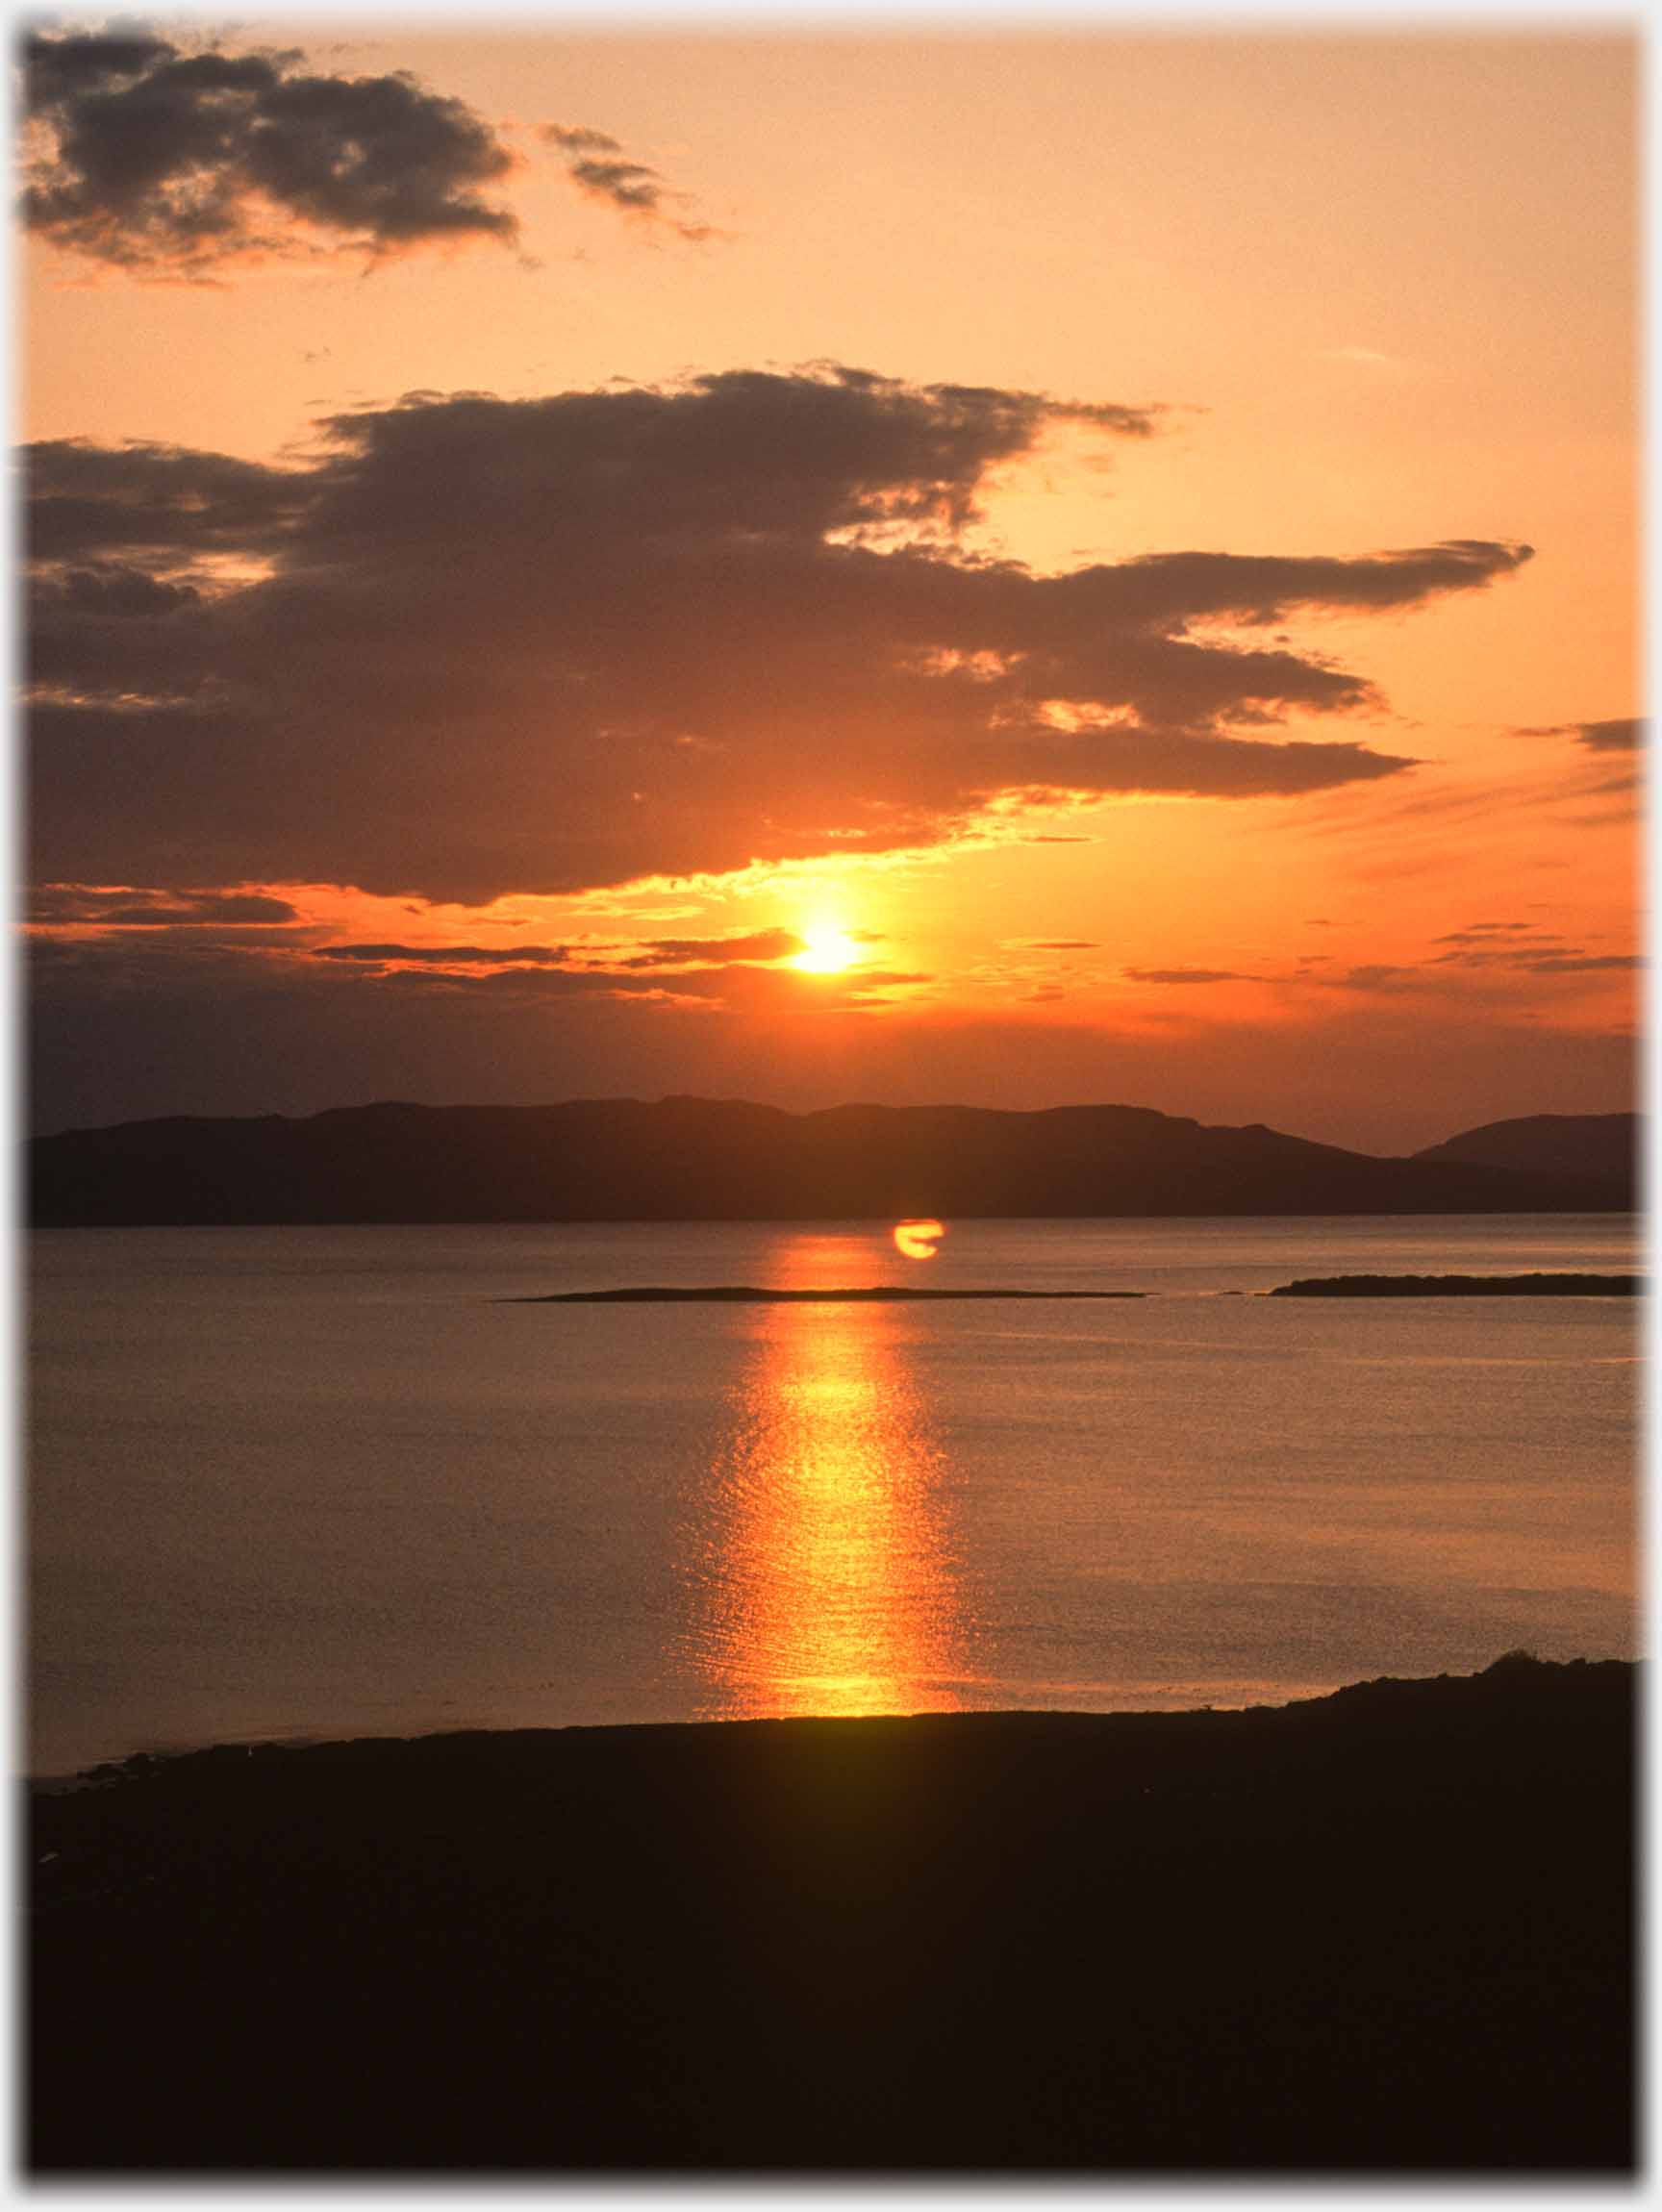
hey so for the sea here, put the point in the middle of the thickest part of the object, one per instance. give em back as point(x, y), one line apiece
point(292, 1484)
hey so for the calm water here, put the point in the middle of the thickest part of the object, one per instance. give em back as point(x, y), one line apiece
point(290, 1482)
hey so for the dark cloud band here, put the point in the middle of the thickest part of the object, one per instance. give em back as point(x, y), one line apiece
point(481, 646)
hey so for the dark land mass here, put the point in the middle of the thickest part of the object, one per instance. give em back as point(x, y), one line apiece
point(1603, 1146)
point(1461, 1287)
point(724, 1160)
point(1384, 1931)
point(748, 1294)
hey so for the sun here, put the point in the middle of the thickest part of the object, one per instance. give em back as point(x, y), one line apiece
point(827, 950)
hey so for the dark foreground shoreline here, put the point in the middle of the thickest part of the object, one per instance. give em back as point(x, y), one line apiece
point(1385, 1931)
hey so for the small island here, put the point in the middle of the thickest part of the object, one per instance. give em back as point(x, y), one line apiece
point(754, 1294)
point(1461, 1287)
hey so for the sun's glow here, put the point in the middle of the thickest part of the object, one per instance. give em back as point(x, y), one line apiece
point(827, 949)
point(917, 1239)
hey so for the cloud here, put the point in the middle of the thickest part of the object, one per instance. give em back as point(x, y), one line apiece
point(1581, 963)
point(121, 907)
point(1523, 946)
point(732, 986)
point(753, 944)
point(1498, 957)
point(1377, 975)
point(1502, 959)
point(670, 953)
point(1263, 588)
point(1477, 931)
point(1187, 975)
point(135, 508)
point(477, 646)
point(166, 161)
point(1622, 734)
point(1051, 945)
point(448, 955)
point(1618, 733)
point(598, 165)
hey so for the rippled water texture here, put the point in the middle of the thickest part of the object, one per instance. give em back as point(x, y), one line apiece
point(320, 1482)
point(824, 1576)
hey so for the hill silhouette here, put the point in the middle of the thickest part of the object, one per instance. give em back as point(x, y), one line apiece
point(701, 1159)
point(1604, 1146)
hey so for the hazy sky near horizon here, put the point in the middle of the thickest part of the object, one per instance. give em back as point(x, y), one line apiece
point(1017, 567)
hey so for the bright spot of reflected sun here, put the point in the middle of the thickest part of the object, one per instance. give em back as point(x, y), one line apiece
point(827, 950)
point(917, 1239)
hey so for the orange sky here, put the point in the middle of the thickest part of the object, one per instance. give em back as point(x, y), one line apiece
point(1378, 294)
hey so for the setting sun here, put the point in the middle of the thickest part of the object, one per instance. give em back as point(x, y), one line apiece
point(828, 950)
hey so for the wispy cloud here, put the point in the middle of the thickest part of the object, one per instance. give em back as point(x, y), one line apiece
point(1185, 975)
point(1616, 734)
point(59, 905)
point(598, 164)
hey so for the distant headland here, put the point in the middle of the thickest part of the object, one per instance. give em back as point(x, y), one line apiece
point(726, 1160)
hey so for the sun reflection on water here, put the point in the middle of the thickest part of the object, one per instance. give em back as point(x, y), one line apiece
point(823, 1582)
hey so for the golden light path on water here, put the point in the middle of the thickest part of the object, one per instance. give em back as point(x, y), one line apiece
point(824, 1583)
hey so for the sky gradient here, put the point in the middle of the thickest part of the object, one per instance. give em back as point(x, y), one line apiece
point(535, 536)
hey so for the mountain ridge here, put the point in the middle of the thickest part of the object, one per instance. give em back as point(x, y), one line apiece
point(686, 1158)
point(1548, 1143)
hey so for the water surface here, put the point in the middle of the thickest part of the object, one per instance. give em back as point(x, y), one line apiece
point(292, 1482)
